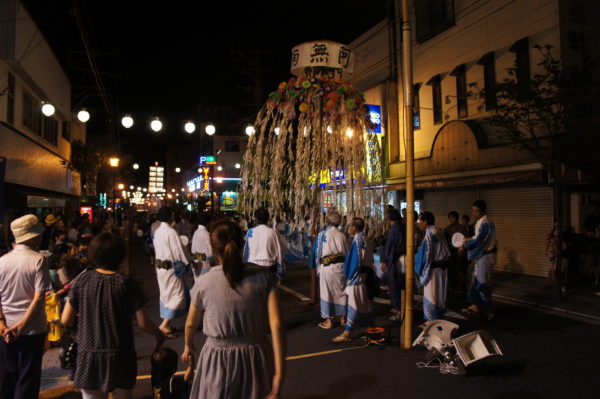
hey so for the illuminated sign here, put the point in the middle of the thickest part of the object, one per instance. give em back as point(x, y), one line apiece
point(86, 210)
point(200, 182)
point(375, 116)
point(156, 179)
point(205, 177)
point(102, 200)
point(207, 160)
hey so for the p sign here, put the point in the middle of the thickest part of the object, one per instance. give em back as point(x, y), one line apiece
point(207, 160)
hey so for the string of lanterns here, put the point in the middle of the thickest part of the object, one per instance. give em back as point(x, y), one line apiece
point(127, 121)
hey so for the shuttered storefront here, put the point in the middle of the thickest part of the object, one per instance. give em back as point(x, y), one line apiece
point(522, 215)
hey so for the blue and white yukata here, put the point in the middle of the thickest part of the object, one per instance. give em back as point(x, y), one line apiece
point(360, 308)
point(432, 273)
point(263, 248)
point(174, 298)
point(297, 251)
point(332, 280)
point(201, 252)
point(482, 250)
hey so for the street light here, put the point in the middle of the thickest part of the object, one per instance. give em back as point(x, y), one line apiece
point(83, 115)
point(113, 162)
point(48, 109)
point(127, 121)
point(177, 170)
point(121, 186)
point(250, 130)
point(156, 125)
point(131, 187)
point(190, 127)
point(136, 166)
point(219, 168)
point(237, 166)
point(210, 129)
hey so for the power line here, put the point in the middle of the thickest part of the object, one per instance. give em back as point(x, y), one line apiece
point(90, 57)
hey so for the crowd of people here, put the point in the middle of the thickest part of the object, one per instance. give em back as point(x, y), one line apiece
point(222, 275)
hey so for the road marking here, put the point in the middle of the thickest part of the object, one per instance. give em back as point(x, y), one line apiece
point(314, 354)
point(294, 293)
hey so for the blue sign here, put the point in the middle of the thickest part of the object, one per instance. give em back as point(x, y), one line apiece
point(416, 120)
point(375, 115)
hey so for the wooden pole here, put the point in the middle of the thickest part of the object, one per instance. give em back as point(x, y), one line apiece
point(407, 81)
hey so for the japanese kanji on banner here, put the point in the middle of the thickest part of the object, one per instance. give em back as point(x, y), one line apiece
point(308, 58)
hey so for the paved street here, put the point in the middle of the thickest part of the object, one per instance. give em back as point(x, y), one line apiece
point(546, 355)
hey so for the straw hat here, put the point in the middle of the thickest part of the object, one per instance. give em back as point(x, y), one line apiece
point(50, 219)
point(25, 228)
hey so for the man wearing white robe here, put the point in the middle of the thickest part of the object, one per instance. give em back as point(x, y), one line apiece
point(263, 247)
point(201, 248)
point(430, 267)
point(171, 263)
point(329, 252)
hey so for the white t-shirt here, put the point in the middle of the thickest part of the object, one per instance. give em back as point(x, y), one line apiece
point(23, 272)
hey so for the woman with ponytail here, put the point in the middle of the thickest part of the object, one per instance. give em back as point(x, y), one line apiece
point(239, 305)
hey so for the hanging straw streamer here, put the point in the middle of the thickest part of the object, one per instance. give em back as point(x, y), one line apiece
point(313, 148)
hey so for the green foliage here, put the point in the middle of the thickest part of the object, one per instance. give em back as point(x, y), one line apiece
point(87, 159)
point(552, 115)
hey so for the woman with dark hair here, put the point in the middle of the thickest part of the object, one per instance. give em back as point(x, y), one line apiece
point(103, 301)
point(239, 304)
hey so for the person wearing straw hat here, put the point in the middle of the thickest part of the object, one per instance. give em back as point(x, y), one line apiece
point(24, 280)
point(48, 233)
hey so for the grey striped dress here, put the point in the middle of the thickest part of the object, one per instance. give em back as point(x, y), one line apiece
point(236, 360)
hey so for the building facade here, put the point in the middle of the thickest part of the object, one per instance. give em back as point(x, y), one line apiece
point(33, 147)
point(458, 156)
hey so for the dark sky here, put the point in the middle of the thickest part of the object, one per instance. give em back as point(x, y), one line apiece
point(178, 61)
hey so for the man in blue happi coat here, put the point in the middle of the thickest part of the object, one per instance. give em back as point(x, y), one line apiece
point(481, 248)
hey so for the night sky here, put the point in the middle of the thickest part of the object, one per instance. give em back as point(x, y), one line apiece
point(180, 62)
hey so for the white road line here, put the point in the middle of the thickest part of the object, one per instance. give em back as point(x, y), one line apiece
point(294, 293)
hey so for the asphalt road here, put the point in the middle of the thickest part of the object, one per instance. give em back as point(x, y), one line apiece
point(545, 355)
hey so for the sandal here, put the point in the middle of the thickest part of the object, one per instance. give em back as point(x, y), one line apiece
point(341, 339)
point(470, 311)
point(170, 335)
point(325, 326)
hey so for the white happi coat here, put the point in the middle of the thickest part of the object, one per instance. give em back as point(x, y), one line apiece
point(263, 248)
point(332, 280)
point(201, 245)
point(167, 246)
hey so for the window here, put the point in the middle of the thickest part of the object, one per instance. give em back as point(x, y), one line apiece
point(521, 50)
point(232, 146)
point(50, 130)
point(31, 114)
point(416, 107)
point(34, 120)
point(10, 99)
point(462, 106)
point(66, 131)
point(433, 17)
point(436, 95)
point(489, 80)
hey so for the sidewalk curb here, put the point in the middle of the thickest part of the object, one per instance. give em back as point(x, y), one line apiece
point(543, 306)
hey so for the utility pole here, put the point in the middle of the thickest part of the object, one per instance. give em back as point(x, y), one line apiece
point(410, 173)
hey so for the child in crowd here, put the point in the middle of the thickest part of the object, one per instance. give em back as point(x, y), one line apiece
point(165, 383)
